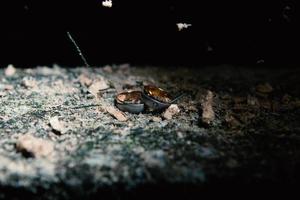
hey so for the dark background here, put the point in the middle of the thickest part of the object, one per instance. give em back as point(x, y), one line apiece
point(144, 32)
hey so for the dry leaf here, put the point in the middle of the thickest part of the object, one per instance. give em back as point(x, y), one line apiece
point(35, 147)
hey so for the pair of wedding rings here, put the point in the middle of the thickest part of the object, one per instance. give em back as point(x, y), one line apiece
point(152, 97)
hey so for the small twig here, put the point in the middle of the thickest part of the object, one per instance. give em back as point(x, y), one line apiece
point(85, 106)
point(78, 49)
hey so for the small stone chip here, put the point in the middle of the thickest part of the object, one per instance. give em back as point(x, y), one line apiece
point(116, 113)
point(97, 86)
point(10, 70)
point(171, 111)
point(208, 114)
point(34, 147)
point(57, 125)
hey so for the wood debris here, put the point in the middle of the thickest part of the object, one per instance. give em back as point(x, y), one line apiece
point(171, 111)
point(97, 86)
point(239, 99)
point(85, 80)
point(232, 163)
point(107, 69)
point(2, 94)
point(208, 114)
point(8, 87)
point(232, 122)
point(116, 113)
point(265, 104)
point(156, 119)
point(57, 125)
point(10, 70)
point(286, 99)
point(191, 108)
point(296, 103)
point(34, 147)
point(252, 101)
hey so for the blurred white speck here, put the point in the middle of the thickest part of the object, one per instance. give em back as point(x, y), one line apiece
point(260, 61)
point(209, 48)
point(183, 25)
point(286, 12)
point(107, 3)
point(286, 17)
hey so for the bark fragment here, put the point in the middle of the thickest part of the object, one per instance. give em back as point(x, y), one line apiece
point(208, 114)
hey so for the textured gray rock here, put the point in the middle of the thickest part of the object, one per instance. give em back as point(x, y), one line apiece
point(99, 151)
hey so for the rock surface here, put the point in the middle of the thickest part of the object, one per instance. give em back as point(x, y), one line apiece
point(101, 155)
